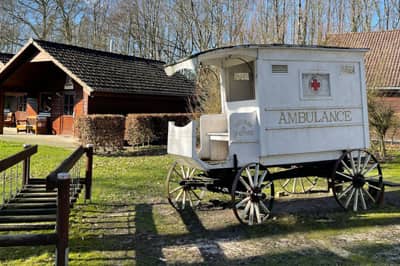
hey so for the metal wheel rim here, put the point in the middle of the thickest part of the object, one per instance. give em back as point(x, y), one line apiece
point(298, 185)
point(357, 181)
point(252, 195)
point(178, 196)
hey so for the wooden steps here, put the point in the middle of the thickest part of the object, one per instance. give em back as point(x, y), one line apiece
point(33, 209)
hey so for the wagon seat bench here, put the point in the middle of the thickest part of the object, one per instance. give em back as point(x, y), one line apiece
point(288, 113)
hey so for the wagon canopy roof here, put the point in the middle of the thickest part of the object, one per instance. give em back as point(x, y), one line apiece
point(104, 72)
point(382, 62)
point(250, 50)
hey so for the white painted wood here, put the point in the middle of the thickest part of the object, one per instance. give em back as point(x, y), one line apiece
point(216, 123)
point(311, 113)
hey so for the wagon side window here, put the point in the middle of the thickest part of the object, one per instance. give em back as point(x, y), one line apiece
point(240, 85)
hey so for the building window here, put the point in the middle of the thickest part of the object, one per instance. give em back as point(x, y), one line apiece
point(45, 102)
point(68, 104)
point(21, 103)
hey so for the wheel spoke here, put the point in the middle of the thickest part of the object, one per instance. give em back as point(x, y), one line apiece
point(192, 172)
point(251, 216)
point(302, 185)
point(179, 195)
point(369, 195)
point(375, 187)
point(345, 191)
point(349, 198)
point(183, 172)
point(359, 161)
point(263, 177)
point(366, 163)
point(264, 207)
point(257, 208)
point(244, 183)
point(355, 204)
point(190, 199)
point(286, 182)
point(179, 174)
point(255, 182)
point(241, 203)
point(246, 209)
point(345, 166)
point(344, 175)
point(184, 199)
point(350, 154)
point(175, 190)
point(370, 169)
point(311, 182)
point(294, 185)
point(250, 177)
point(363, 204)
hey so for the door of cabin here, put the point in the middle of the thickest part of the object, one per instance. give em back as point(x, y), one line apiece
point(64, 123)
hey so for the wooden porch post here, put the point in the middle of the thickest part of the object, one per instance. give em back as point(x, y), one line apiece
point(1, 111)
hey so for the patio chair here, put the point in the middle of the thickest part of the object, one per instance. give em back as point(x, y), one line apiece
point(21, 122)
point(9, 120)
point(31, 125)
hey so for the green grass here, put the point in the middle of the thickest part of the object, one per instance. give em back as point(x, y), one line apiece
point(129, 222)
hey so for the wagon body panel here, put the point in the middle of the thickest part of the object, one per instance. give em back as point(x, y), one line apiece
point(298, 124)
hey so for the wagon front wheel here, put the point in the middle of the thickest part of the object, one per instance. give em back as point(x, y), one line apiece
point(252, 194)
point(183, 189)
point(357, 181)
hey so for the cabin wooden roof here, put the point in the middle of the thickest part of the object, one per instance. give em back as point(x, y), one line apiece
point(103, 72)
point(382, 62)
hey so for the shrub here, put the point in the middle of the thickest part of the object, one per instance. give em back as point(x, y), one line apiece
point(152, 128)
point(105, 132)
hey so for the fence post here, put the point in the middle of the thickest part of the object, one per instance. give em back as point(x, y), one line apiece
point(63, 187)
point(26, 168)
point(89, 172)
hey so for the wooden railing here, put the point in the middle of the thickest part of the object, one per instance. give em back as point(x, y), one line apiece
point(68, 181)
point(15, 173)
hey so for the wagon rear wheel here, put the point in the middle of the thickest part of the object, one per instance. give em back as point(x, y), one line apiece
point(357, 180)
point(183, 188)
point(252, 194)
point(299, 185)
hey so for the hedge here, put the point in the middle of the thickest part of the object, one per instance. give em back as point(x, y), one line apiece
point(105, 132)
point(152, 128)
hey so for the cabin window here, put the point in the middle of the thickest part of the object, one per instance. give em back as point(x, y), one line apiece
point(21, 103)
point(68, 104)
point(45, 102)
point(241, 82)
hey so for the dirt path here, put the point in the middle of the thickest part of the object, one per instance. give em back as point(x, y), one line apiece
point(305, 230)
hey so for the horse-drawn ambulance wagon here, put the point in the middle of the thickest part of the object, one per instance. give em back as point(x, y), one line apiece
point(303, 109)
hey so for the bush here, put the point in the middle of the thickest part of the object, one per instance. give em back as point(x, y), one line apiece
point(105, 132)
point(152, 128)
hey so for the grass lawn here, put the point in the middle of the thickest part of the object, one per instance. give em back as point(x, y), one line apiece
point(129, 222)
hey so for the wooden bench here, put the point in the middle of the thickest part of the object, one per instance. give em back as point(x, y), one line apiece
point(218, 145)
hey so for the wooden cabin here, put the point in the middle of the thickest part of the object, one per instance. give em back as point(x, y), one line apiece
point(57, 83)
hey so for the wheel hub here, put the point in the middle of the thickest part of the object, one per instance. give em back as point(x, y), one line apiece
point(358, 181)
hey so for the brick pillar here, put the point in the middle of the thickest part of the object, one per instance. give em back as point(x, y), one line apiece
point(2, 99)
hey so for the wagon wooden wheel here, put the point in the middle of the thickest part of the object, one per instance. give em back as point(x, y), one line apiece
point(183, 188)
point(252, 194)
point(357, 180)
point(299, 185)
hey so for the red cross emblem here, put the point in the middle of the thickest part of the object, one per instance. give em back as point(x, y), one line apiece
point(315, 84)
